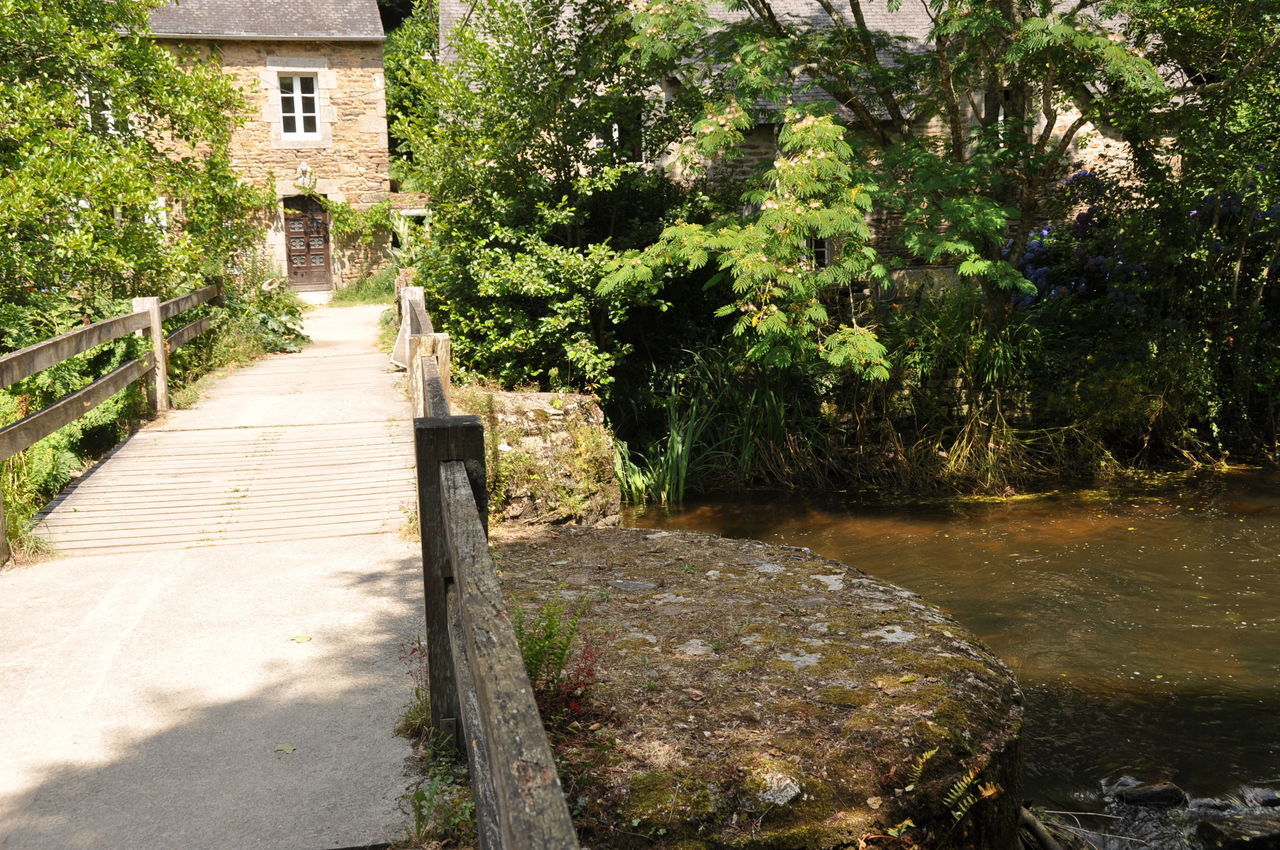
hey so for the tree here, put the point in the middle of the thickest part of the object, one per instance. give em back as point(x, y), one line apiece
point(529, 146)
point(1192, 238)
point(107, 139)
point(960, 137)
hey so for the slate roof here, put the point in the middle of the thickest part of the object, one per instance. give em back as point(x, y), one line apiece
point(281, 20)
point(911, 20)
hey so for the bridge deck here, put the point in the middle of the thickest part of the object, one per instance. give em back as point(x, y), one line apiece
point(291, 448)
point(149, 673)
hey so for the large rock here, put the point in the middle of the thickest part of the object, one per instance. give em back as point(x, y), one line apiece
point(753, 696)
point(1158, 794)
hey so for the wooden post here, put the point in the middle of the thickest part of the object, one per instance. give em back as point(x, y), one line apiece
point(434, 400)
point(519, 800)
point(442, 348)
point(402, 353)
point(160, 377)
point(437, 440)
point(4, 533)
point(413, 361)
point(413, 295)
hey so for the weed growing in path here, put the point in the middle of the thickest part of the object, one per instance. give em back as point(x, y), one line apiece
point(416, 717)
point(440, 805)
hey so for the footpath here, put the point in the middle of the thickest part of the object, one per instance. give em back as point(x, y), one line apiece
point(212, 660)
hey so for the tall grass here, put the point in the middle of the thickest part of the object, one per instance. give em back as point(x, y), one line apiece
point(726, 425)
point(665, 469)
point(377, 288)
point(958, 414)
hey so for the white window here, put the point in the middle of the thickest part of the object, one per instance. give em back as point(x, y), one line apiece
point(299, 113)
point(819, 252)
point(99, 115)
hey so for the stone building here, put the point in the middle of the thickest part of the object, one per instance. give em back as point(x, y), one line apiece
point(313, 75)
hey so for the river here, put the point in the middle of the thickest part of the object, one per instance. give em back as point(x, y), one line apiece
point(1145, 631)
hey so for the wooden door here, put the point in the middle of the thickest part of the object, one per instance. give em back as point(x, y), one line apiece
point(306, 233)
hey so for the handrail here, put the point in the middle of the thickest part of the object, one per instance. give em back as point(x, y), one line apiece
point(183, 303)
point(481, 697)
point(528, 808)
point(25, 362)
point(147, 315)
point(35, 427)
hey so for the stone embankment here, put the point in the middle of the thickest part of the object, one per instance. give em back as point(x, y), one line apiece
point(550, 456)
point(755, 696)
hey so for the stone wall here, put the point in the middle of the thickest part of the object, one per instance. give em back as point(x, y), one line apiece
point(349, 161)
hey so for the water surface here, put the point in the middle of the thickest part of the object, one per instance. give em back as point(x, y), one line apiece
point(1145, 631)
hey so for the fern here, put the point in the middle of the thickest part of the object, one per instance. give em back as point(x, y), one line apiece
point(960, 798)
point(917, 768)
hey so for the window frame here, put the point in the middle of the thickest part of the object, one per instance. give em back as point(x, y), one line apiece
point(819, 252)
point(292, 102)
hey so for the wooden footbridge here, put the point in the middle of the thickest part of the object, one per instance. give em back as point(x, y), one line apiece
point(210, 661)
point(292, 452)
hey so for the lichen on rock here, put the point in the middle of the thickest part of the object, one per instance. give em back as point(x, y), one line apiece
point(755, 696)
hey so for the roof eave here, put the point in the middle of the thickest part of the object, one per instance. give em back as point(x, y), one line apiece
point(191, 36)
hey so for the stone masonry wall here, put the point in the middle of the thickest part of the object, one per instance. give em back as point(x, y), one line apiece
point(347, 163)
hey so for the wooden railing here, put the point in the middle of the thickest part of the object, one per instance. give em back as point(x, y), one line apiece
point(481, 699)
point(148, 316)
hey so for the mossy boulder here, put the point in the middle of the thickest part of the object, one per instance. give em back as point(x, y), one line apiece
point(754, 696)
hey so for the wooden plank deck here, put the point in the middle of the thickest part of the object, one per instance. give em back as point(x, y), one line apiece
point(291, 448)
point(215, 661)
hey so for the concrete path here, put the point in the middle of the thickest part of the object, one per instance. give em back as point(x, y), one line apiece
point(214, 662)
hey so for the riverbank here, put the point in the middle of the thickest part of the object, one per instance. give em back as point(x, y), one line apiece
point(1141, 624)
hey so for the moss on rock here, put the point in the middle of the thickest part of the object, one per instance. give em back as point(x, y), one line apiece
point(755, 696)
point(549, 456)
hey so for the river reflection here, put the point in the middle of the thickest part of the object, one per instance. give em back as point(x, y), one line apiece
point(1145, 632)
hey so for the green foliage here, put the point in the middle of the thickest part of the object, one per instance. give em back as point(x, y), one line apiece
point(917, 768)
point(960, 797)
point(99, 139)
point(666, 470)
point(261, 307)
point(546, 642)
point(409, 45)
point(442, 809)
point(725, 423)
point(961, 191)
point(415, 720)
point(815, 190)
point(528, 145)
point(370, 226)
point(441, 806)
